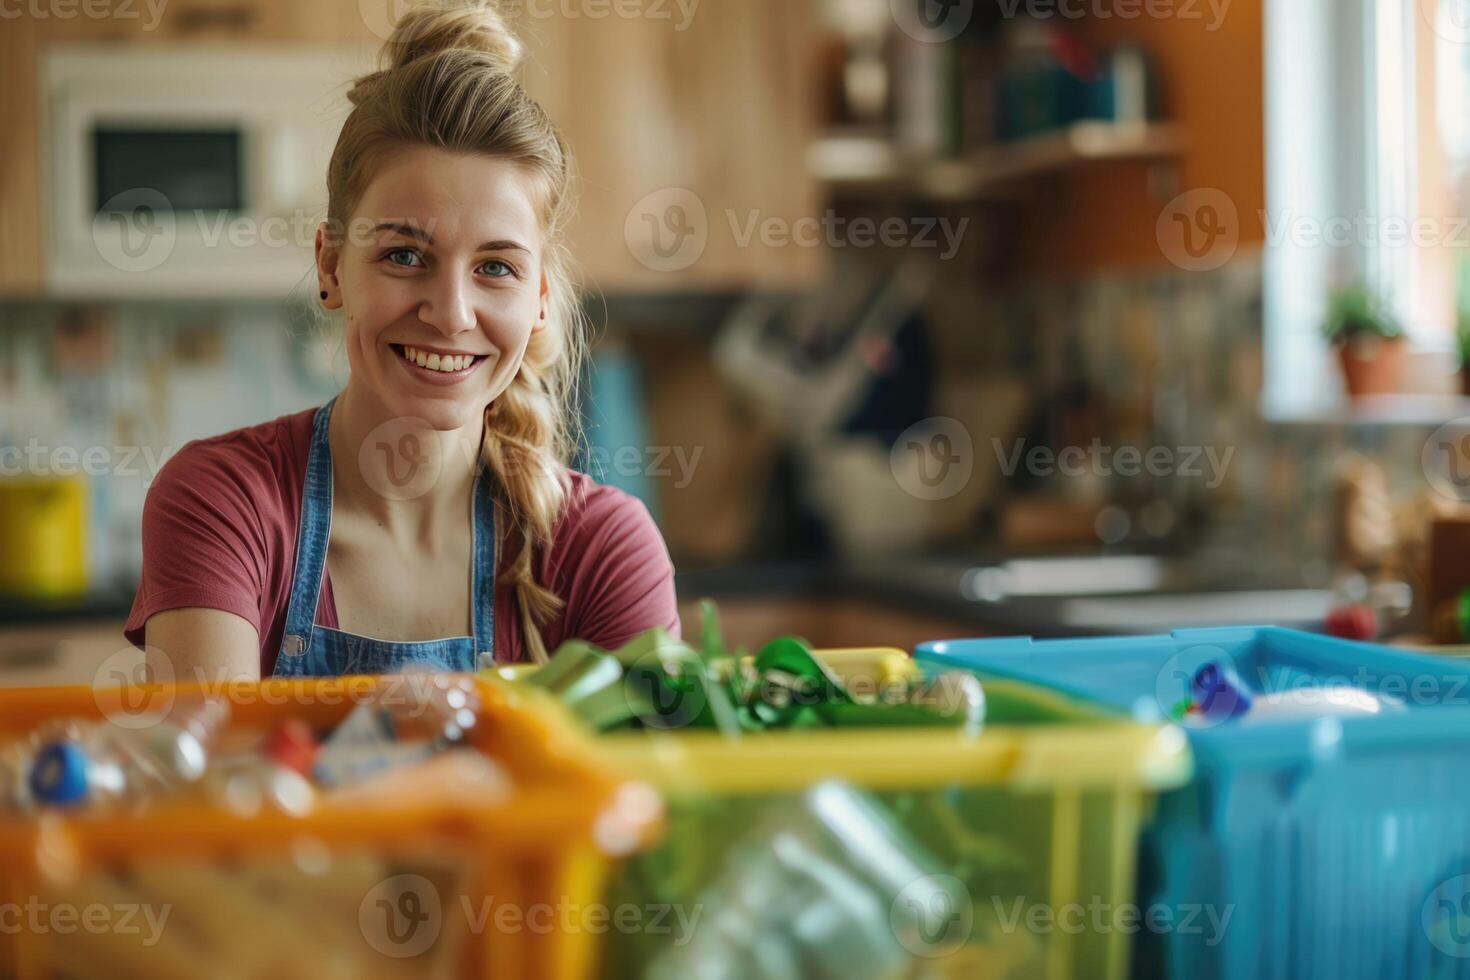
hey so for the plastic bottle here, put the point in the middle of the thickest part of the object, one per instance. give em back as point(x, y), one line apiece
point(99, 764)
point(409, 718)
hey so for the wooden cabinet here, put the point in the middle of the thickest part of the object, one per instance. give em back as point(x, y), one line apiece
point(690, 130)
point(690, 139)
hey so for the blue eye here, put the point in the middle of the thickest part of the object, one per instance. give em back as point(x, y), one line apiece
point(406, 257)
point(506, 270)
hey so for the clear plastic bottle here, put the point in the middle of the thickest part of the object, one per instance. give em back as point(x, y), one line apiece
point(100, 764)
point(409, 718)
point(825, 887)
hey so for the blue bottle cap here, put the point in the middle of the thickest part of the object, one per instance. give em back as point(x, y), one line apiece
point(59, 773)
point(1219, 693)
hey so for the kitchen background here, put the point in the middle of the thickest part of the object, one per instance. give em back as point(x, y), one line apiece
point(862, 270)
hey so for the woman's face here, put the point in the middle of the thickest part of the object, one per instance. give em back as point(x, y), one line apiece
point(439, 273)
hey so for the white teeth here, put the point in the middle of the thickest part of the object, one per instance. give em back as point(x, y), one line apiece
point(437, 362)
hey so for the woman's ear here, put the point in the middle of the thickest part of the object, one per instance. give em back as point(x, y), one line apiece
point(328, 253)
point(540, 323)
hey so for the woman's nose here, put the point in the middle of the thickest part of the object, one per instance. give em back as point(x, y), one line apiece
point(448, 308)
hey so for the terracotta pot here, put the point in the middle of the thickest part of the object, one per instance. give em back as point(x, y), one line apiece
point(1372, 365)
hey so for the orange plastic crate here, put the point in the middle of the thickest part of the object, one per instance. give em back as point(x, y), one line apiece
point(503, 870)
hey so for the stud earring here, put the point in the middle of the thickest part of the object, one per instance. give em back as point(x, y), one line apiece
point(324, 294)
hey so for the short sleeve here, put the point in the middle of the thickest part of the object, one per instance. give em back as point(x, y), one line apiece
point(203, 542)
point(619, 578)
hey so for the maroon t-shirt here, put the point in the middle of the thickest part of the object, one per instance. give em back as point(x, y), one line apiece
point(219, 532)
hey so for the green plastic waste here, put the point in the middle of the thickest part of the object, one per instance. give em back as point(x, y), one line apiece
point(659, 682)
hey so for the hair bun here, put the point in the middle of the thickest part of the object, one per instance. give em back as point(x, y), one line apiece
point(426, 29)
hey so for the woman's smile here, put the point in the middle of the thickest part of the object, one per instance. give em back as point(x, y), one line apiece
point(435, 365)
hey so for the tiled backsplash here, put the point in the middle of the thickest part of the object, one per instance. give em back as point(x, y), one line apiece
point(1153, 359)
point(1174, 361)
point(110, 392)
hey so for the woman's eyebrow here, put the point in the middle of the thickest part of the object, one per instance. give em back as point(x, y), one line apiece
point(413, 231)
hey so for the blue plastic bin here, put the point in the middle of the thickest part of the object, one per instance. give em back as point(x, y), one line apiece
point(1338, 847)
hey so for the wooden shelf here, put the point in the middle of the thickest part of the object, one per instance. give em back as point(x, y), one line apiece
point(875, 167)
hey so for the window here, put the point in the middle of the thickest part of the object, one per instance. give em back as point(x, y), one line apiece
point(1367, 146)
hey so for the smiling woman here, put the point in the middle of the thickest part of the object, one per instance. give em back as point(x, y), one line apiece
point(427, 515)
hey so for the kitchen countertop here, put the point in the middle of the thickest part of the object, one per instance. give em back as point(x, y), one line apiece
point(951, 589)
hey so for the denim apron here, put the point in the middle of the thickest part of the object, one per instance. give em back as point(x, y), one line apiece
point(309, 650)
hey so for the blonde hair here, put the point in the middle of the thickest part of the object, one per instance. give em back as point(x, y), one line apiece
point(448, 81)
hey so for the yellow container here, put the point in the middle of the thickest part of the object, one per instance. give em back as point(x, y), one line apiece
point(1039, 816)
point(441, 881)
point(43, 536)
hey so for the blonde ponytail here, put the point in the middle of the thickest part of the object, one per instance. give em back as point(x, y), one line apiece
point(448, 82)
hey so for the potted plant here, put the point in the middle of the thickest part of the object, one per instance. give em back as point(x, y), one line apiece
point(1462, 339)
point(1369, 341)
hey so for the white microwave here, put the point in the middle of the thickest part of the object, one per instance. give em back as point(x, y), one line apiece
point(188, 171)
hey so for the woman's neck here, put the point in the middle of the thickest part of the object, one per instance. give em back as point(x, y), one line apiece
point(399, 472)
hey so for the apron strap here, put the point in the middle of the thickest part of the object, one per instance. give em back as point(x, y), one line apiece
point(483, 568)
point(311, 540)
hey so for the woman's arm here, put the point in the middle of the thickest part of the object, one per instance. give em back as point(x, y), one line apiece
point(204, 645)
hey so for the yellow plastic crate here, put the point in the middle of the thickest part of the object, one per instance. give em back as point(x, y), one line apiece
point(413, 885)
point(1051, 798)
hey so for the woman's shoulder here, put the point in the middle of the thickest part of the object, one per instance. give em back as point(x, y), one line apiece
point(601, 521)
